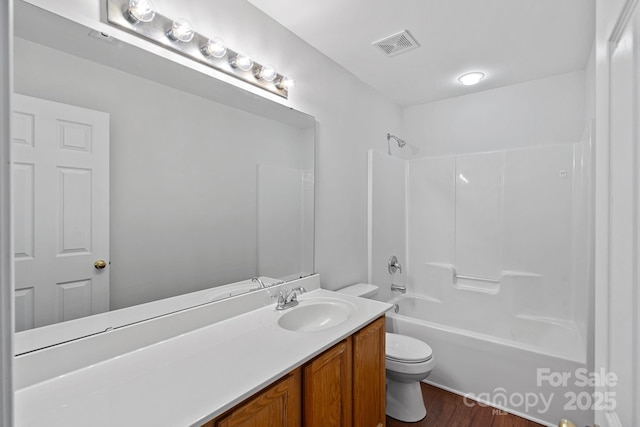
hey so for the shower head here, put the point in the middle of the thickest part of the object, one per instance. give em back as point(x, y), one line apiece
point(401, 142)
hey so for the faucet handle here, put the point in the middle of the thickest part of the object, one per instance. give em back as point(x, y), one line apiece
point(393, 265)
point(281, 295)
point(293, 293)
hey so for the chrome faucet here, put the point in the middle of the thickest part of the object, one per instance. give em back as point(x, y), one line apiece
point(259, 282)
point(400, 288)
point(288, 299)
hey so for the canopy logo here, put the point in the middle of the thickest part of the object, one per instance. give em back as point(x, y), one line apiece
point(540, 402)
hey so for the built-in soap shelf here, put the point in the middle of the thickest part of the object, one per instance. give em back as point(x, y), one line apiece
point(473, 283)
point(486, 284)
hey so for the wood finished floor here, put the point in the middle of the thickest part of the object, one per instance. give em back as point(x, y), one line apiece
point(446, 409)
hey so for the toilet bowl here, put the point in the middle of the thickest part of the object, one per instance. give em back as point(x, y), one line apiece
point(408, 361)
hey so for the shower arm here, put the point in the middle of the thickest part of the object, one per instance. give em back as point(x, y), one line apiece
point(401, 142)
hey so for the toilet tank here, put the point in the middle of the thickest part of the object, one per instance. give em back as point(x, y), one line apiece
point(365, 290)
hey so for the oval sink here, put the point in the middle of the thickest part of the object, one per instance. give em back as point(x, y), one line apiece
point(316, 314)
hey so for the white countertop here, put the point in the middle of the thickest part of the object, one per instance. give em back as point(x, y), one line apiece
point(32, 339)
point(186, 380)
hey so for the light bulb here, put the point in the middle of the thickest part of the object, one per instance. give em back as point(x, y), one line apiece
point(181, 30)
point(214, 47)
point(140, 11)
point(266, 72)
point(469, 79)
point(242, 62)
point(286, 83)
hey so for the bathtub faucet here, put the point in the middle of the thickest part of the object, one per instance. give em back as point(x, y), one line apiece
point(259, 282)
point(400, 288)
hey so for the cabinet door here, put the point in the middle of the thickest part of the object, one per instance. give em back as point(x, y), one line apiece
point(328, 388)
point(277, 406)
point(369, 375)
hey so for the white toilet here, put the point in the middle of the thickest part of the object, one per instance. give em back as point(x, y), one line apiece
point(409, 361)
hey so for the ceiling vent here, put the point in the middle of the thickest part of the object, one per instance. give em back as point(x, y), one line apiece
point(397, 43)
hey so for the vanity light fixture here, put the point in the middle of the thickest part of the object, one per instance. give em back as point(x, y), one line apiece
point(240, 61)
point(140, 11)
point(181, 30)
point(285, 83)
point(139, 17)
point(214, 47)
point(267, 73)
point(473, 78)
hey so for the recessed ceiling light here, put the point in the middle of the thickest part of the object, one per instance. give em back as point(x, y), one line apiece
point(472, 78)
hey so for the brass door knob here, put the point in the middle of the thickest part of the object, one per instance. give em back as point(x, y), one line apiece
point(100, 264)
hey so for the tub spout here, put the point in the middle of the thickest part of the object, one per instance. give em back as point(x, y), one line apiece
point(399, 288)
point(259, 281)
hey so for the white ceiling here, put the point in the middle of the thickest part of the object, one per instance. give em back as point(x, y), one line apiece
point(511, 41)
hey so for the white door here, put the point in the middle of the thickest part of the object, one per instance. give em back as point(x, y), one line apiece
point(617, 321)
point(60, 173)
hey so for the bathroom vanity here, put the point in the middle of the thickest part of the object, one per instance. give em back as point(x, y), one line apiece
point(344, 386)
point(222, 364)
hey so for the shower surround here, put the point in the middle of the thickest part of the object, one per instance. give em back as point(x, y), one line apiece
point(496, 254)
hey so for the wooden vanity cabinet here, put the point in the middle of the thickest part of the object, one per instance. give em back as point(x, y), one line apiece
point(369, 375)
point(327, 388)
point(276, 406)
point(342, 387)
point(346, 386)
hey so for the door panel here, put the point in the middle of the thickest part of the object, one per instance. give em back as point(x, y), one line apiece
point(60, 175)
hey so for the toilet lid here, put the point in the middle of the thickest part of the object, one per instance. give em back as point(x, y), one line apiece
point(403, 348)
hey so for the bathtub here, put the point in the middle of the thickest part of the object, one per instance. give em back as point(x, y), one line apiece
point(529, 366)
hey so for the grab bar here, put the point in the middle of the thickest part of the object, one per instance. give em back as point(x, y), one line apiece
point(480, 279)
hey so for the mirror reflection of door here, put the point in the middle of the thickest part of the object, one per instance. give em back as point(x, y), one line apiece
point(60, 156)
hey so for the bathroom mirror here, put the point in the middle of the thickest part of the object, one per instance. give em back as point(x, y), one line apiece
point(200, 193)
